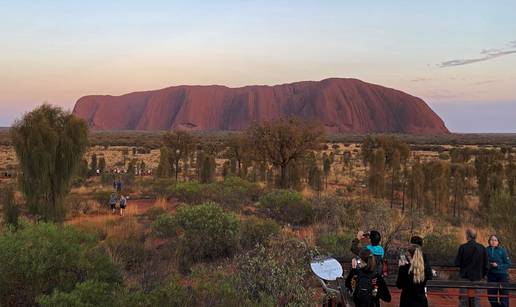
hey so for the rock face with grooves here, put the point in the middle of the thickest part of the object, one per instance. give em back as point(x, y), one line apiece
point(342, 105)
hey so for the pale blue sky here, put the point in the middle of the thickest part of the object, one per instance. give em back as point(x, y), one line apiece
point(456, 55)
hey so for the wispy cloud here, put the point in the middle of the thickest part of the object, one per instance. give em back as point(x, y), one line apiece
point(485, 82)
point(487, 54)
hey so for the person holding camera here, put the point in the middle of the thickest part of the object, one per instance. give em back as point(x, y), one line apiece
point(412, 278)
point(370, 240)
point(366, 285)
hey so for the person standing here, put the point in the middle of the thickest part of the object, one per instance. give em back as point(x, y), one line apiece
point(123, 204)
point(368, 287)
point(499, 263)
point(472, 261)
point(417, 240)
point(112, 201)
point(372, 241)
point(412, 278)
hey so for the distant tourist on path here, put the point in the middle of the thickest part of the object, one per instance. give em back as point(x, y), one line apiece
point(112, 201)
point(123, 204)
point(412, 278)
point(499, 263)
point(472, 261)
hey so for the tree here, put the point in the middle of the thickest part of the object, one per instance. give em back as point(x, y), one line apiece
point(395, 165)
point(164, 167)
point(239, 150)
point(283, 141)
point(208, 166)
point(367, 148)
point(314, 179)
point(10, 208)
point(326, 167)
point(377, 173)
point(501, 216)
point(460, 175)
point(416, 185)
point(102, 164)
point(93, 164)
point(180, 144)
point(510, 173)
point(49, 144)
point(489, 171)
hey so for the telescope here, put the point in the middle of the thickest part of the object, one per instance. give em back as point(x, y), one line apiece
point(329, 272)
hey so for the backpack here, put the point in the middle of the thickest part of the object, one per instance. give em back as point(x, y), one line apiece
point(363, 293)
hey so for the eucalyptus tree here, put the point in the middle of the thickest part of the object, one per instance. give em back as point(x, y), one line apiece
point(50, 144)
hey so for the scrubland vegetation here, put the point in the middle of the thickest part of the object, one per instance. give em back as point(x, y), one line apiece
point(227, 219)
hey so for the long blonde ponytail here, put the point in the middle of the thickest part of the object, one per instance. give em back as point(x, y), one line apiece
point(417, 266)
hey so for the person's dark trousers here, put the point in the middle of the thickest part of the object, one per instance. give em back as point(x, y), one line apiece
point(464, 297)
point(495, 301)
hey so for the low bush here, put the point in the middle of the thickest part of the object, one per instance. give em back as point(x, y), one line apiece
point(336, 212)
point(336, 245)
point(190, 192)
point(278, 271)
point(287, 206)
point(441, 248)
point(162, 187)
point(40, 258)
point(231, 193)
point(154, 212)
point(255, 231)
point(202, 232)
point(220, 287)
point(10, 209)
point(88, 293)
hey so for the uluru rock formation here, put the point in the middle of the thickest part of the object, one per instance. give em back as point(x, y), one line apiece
point(342, 105)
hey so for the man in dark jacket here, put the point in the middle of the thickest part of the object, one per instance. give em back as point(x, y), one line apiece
point(472, 261)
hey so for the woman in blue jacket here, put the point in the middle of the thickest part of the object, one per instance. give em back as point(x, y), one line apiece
point(499, 263)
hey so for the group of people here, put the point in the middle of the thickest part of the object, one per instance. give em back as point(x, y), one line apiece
point(367, 286)
point(121, 201)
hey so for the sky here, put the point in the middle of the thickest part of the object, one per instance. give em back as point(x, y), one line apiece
point(459, 56)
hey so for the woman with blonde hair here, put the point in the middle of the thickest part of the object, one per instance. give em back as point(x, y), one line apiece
point(412, 278)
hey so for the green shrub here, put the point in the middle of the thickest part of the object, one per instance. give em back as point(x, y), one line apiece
point(172, 294)
point(129, 253)
point(203, 231)
point(89, 293)
point(189, 192)
point(230, 193)
point(40, 258)
point(234, 191)
point(279, 271)
point(255, 231)
point(336, 245)
point(220, 287)
point(10, 208)
point(164, 226)
point(441, 248)
point(162, 187)
point(154, 212)
point(287, 206)
point(336, 212)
